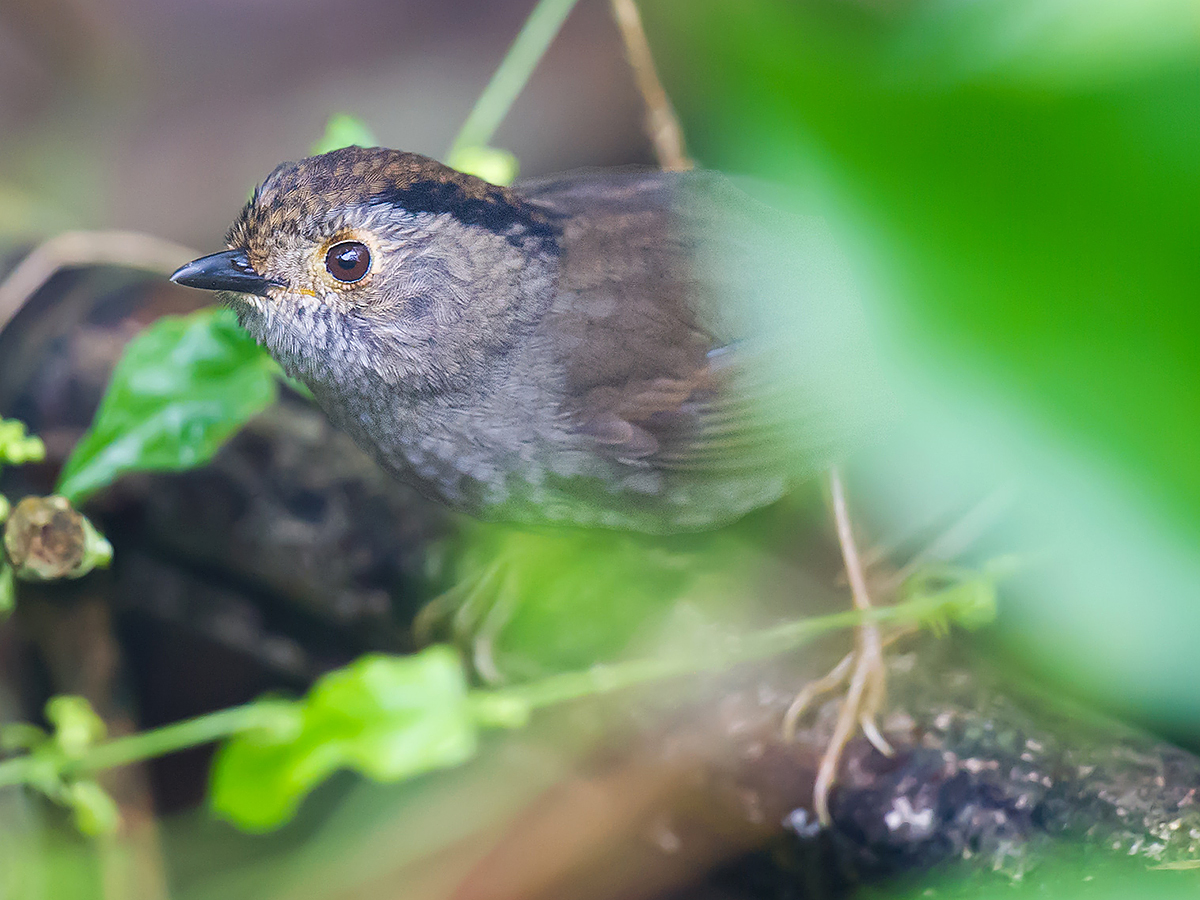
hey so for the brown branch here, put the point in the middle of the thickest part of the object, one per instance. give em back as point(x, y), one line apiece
point(73, 249)
point(661, 121)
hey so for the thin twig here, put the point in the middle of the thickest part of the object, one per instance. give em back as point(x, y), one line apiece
point(865, 695)
point(73, 249)
point(661, 121)
point(829, 683)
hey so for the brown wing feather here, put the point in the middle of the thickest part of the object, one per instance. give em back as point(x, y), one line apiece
point(661, 370)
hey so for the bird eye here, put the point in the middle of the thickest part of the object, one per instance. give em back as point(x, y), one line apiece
point(348, 261)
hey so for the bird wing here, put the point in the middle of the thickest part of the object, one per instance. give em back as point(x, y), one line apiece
point(700, 331)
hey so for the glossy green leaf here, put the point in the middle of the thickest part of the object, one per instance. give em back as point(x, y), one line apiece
point(388, 718)
point(183, 387)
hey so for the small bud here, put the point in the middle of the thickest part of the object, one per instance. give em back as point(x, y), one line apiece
point(26, 451)
point(76, 725)
point(17, 447)
point(47, 539)
point(97, 551)
point(96, 812)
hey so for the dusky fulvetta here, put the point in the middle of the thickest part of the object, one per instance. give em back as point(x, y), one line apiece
point(641, 350)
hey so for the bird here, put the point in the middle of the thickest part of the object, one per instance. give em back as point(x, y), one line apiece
point(628, 349)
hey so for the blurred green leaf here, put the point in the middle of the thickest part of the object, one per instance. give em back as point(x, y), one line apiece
point(21, 736)
point(534, 602)
point(1044, 42)
point(181, 389)
point(1018, 181)
point(488, 163)
point(48, 864)
point(344, 130)
point(1042, 242)
point(388, 718)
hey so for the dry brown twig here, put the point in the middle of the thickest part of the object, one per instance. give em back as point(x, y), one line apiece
point(661, 121)
point(73, 249)
point(864, 667)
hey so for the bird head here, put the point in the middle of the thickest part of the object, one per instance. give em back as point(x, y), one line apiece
point(380, 264)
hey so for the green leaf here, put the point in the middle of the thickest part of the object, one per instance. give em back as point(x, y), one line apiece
point(1045, 42)
point(1030, 239)
point(343, 130)
point(388, 718)
point(488, 163)
point(183, 387)
point(554, 601)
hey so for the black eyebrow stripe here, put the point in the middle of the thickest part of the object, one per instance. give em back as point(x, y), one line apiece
point(517, 221)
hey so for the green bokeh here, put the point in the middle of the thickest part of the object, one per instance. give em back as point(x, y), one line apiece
point(1042, 230)
point(1019, 183)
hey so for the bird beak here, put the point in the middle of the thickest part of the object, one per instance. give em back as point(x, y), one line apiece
point(227, 271)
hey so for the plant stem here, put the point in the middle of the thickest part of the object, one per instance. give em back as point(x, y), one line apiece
point(662, 124)
point(514, 71)
point(603, 679)
point(958, 601)
point(148, 744)
point(180, 735)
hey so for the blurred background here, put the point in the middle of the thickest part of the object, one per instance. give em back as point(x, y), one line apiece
point(184, 107)
point(1016, 181)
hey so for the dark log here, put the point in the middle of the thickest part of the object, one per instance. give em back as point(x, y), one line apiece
point(292, 553)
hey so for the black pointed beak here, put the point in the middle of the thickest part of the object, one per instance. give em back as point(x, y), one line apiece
point(227, 271)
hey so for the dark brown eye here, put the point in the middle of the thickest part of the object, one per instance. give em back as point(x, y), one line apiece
point(348, 261)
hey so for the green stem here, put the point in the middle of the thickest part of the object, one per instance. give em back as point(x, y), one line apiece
point(509, 707)
point(603, 679)
point(180, 735)
point(17, 771)
point(148, 744)
point(518, 64)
